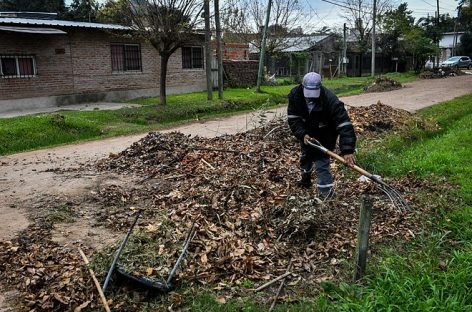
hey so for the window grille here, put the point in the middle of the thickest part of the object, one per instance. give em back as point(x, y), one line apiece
point(192, 57)
point(125, 57)
point(17, 66)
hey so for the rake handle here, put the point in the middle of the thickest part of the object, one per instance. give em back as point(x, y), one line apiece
point(323, 149)
point(355, 167)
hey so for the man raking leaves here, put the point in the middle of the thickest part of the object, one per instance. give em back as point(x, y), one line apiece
point(317, 117)
point(315, 112)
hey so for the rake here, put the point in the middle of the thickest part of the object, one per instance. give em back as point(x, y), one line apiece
point(395, 197)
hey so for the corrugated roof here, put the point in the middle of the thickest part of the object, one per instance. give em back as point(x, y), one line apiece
point(295, 44)
point(41, 22)
point(34, 30)
point(298, 44)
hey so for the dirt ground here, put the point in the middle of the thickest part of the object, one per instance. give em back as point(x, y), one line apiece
point(25, 178)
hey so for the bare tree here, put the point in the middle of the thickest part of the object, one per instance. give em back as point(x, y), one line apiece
point(167, 25)
point(360, 17)
point(245, 20)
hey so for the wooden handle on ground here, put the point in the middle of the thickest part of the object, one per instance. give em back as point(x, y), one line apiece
point(97, 284)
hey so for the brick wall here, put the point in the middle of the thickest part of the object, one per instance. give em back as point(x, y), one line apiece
point(84, 66)
point(54, 70)
point(240, 73)
point(232, 50)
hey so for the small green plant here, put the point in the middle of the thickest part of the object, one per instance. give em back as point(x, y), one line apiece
point(60, 214)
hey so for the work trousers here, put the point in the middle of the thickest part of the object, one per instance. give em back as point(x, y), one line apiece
point(308, 158)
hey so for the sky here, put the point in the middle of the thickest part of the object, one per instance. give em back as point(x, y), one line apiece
point(329, 14)
point(326, 14)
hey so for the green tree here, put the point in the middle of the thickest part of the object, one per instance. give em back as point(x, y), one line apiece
point(83, 10)
point(465, 14)
point(465, 46)
point(52, 6)
point(114, 12)
point(431, 28)
point(419, 46)
point(465, 23)
point(395, 24)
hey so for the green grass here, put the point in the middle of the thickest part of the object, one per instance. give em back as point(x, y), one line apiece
point(434, 273)
point(46, 130)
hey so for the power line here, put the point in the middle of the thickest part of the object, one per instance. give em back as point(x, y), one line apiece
point(340, 5)
point(319, 17)
point(433, 5)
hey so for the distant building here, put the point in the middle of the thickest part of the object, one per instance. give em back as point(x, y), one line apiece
point(45, 62)
point(297, 55)
point(448, 44)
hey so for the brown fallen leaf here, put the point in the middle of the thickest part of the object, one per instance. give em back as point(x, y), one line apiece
point(221, 300)
point(82, 306)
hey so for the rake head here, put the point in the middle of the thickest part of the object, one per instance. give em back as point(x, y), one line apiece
point(395, 197)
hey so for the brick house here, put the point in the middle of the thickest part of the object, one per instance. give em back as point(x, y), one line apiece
point(46, 62)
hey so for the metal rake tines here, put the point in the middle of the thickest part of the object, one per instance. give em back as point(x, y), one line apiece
point(395, 197)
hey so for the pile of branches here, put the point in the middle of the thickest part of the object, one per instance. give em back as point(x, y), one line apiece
point(239, 190)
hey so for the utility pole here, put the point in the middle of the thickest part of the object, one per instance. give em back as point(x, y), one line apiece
point(373, 38)
point(344, 49)
point(439, 39)
point(454, 43)
point(90, 11)
point(208, 50)
point(263, 48)
point(218, 49)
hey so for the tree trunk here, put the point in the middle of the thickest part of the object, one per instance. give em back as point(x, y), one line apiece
point(208, 50)
point(162, 83)
point(219, 49)
point(361, 55)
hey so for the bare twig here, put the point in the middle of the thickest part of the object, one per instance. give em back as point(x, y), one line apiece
point(270, 132)
point(94, 278)
point(215, 150)
point(208, 164)
point(273, 281)
point(272, 306)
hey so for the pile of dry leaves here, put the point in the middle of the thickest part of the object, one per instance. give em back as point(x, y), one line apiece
point(239, 190)
point(382, 84)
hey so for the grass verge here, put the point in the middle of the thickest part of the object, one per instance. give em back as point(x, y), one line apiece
point(45, 130)
point(434, 273)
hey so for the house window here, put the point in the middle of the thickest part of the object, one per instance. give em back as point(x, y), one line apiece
point(17, 66)
point(125, 57)
point(192, 57)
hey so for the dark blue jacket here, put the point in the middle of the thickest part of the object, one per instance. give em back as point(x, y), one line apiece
point(327, 120)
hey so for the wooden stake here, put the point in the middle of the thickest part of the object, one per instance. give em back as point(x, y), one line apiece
point(272, 306)
point(363, 237)
point(97, 284)
point(273, 281)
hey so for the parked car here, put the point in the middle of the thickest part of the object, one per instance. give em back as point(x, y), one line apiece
point(458, 62)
